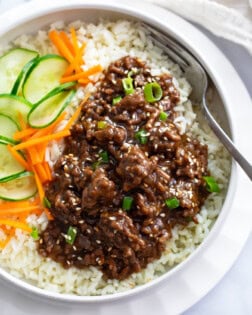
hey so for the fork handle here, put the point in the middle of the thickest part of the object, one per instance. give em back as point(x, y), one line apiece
point(227, 142)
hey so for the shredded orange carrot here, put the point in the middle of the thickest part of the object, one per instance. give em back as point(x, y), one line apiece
point(18, 157)
point(11, 211)
point(15, 224)
point(39, 186)
point(41, 173)
point(17, 204)
point(82, 75)
point(47, 170)
point(77, 113)
point(22, 134)
point(48, 138)
point(61, 46)
point(67, 42)
point(69, 48)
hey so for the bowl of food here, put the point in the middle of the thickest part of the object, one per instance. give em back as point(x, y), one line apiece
point(111, 179)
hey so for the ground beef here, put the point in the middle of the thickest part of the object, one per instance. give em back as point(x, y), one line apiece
point(105, 162)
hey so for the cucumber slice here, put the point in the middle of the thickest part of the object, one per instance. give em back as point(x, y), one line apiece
point(23, 187)
point(17, 87)
point(12, 106)
point(10, 66)
point(9, 167)
point(50, 107)
point(7, 129)
point(43, 77)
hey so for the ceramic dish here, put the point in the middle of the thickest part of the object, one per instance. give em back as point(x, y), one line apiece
point(201, 271)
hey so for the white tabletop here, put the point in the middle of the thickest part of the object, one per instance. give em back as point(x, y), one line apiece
point(233, 295)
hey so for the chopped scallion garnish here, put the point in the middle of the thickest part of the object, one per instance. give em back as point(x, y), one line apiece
point(152, 92)
point(172, 203)
point(96, 164)
point(46, 203)
point(101, 124)
point(116, 100)
point(163, 116)
point(211, 184)
point(128, 85)
point(127, 203)
point(104, 156)
point(35, 233)
point(142, 136)
point(71, 235)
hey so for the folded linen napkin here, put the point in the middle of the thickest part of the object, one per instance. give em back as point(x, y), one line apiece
point(230, 19)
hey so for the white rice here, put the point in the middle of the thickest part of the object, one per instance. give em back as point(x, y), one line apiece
point(106, 42)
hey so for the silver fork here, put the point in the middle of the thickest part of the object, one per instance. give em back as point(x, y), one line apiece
point(197, 77)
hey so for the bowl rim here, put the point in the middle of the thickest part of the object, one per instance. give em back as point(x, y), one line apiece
point(32, 11)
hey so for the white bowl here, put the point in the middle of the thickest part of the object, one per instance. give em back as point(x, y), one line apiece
point(225, 235)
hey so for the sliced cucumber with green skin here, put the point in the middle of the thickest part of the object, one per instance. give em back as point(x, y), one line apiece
point(21, 188)
point(43, 77)
point(10, 66)
point(17, 87)
point(7, 129)
point(48, 110)
point(12, 105)
point(9, 166)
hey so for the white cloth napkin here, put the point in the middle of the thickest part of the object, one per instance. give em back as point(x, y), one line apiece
point(230, 19)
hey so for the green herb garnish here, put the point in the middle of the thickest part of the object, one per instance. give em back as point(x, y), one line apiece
point(35, 233)
point(142, 136)
point(152, 92)
point(127, 203)
point(211, 184)
point(71, 235)
point(101, 124)
point(104, 156)
point(163, 116)
point(116, 100)
point(128, 85)
point(172, 203)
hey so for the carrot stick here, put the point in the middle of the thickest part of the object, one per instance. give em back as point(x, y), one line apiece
point(69, 70)
point(19, 135)
point(67, 41)
point(15, 224)
point(48, 138)
point(13, 211)
point(33, 154)
point(39, 186)
point(61, 46)
point(16, 204)
point(84, 74)
point(77, 113)
point(18, 157)
point(41, 172)
point(48, 170)
point(84, 81)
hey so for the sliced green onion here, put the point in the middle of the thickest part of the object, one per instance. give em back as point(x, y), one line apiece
point(141, 136)
point(127, 203)
point(47, 203)
point(211, 184)
point(152, 92)
point(101, 124)
point(96, 164)
point(71, 235)
point(128, 85)
point(35, 233)
point(163, 116)
point(172, 203)
point(104, 156)
point(116, 100)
